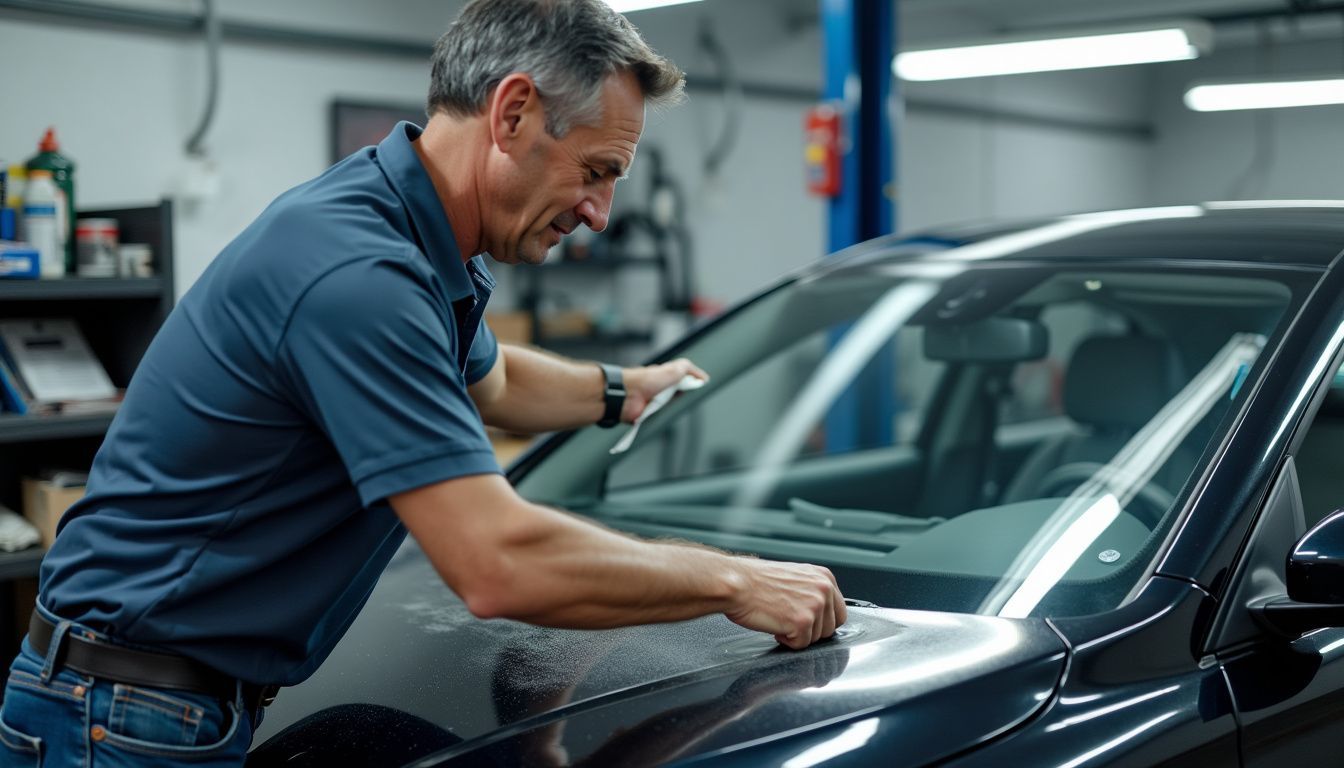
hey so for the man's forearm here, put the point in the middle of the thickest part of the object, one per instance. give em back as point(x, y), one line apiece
point(543, 393)
point(509, 558)
point(572, 573)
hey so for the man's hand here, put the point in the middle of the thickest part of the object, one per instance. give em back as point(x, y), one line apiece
point(797, 603)
point(641, 384)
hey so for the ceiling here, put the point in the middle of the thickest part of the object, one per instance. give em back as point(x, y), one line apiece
point(924, 21)
point(1016, 15)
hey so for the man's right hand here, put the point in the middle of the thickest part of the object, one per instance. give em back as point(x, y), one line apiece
point(797, 603)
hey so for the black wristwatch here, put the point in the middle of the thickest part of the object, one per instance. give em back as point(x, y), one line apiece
point(613, 395)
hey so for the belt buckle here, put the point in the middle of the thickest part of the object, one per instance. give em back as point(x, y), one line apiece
point(263, 696)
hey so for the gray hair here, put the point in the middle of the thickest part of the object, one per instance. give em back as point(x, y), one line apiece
point(568, 47)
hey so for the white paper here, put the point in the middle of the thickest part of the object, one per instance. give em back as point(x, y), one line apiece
point(656, 404)
point(55, 361)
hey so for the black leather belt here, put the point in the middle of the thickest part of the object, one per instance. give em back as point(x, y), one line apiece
point(133, 666)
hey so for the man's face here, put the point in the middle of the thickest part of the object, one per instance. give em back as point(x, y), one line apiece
point(556, 185)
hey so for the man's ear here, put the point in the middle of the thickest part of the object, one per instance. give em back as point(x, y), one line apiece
point(515, 111)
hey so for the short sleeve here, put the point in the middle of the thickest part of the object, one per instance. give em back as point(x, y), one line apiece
point(370, 357)
point(484, 352)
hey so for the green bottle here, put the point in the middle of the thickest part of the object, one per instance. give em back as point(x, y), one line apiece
point(49, 158)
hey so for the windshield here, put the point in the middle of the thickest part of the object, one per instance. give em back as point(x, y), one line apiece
point(1001, 439)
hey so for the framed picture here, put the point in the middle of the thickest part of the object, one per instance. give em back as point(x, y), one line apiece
point(357, 124)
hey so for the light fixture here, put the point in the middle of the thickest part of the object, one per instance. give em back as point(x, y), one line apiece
point(1266, 93)
point(1079, 49)
point(626, 6)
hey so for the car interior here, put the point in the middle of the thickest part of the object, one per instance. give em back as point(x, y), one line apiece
point(1025, 396)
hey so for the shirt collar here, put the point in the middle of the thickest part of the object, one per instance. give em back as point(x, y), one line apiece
point(403, 169)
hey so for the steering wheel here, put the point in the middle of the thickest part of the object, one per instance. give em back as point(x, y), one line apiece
point(1154, 501)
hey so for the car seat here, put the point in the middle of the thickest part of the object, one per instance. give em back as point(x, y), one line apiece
point(1114, 385)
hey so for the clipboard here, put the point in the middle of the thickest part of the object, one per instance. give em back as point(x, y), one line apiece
point(54, 360)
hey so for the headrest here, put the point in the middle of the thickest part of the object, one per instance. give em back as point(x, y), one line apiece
point(1120, 381)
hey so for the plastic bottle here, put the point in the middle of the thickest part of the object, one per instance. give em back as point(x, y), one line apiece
point(49, 158)
point(18, 179)
point(41, 223)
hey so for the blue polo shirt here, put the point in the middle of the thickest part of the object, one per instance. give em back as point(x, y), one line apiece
point(237, 509)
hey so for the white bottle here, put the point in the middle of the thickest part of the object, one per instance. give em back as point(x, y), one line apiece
point(41, 222)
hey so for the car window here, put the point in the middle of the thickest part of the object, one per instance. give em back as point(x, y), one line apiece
point(725, 433)
point(1144, 370)
point(1320, 459)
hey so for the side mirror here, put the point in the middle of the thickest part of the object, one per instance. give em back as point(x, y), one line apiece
point(1315, 576)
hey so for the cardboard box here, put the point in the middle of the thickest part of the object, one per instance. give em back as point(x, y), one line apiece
point(566, 323)
point(18, 260)
point(511, 327)
point(507, 446)
point(44, 503)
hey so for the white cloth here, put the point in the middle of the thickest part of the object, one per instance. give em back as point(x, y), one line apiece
point(659, 400)
point(15, 532)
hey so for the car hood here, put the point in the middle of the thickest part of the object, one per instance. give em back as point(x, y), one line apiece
point(515, 693)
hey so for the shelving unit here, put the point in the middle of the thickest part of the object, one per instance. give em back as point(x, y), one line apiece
point(534, 289)
point(75, 288)
point(15, 429)
point(119, 318)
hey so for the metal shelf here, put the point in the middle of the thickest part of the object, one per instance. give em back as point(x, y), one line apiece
point(602, 264)
point(597, 339)
point(82, 288)
point(22, 564)
point(22, 429)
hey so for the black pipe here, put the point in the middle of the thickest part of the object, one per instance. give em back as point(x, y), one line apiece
point(1296, 8)
point(213, 32)
point(165, 22)
point(162, 22)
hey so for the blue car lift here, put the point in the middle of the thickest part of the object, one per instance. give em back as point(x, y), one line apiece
point(857, 36)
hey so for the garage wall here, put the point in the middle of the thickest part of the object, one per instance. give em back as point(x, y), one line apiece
point(124, 104)
point(1045, 143)
point(1299, 155)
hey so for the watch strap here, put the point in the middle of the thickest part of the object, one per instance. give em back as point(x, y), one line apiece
point(613, 395)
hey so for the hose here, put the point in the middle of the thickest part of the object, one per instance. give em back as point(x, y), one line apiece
point(212, 41)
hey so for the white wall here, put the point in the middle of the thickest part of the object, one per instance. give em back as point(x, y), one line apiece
point(1212, 155)
point(124, 104)
point(958, 168)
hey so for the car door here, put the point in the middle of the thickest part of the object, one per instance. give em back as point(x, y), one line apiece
point(1288, 692)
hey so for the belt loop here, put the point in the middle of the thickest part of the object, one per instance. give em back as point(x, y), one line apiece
point(54, 647)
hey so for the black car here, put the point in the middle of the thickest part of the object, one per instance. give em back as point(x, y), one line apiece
point(1076, 477)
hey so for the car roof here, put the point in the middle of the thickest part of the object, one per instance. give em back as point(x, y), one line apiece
point(1285, 233)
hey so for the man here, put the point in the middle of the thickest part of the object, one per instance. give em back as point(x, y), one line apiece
point(320, 391)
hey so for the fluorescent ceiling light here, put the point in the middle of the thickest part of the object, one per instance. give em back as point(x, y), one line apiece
point(626, 6)
point(1233, 205)
point(1173, 41)
point(1266, 93)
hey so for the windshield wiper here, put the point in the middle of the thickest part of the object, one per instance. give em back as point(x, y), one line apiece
point(857, 520)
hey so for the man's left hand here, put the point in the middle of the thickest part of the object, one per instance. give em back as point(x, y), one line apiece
point(641, 384)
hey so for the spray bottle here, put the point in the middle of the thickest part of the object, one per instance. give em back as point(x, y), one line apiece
point(49, 158)
point(41, 219)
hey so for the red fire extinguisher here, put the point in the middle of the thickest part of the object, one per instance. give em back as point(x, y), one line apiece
point(822, 150)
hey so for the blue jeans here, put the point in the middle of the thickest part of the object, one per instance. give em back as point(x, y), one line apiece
point(54, 717)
